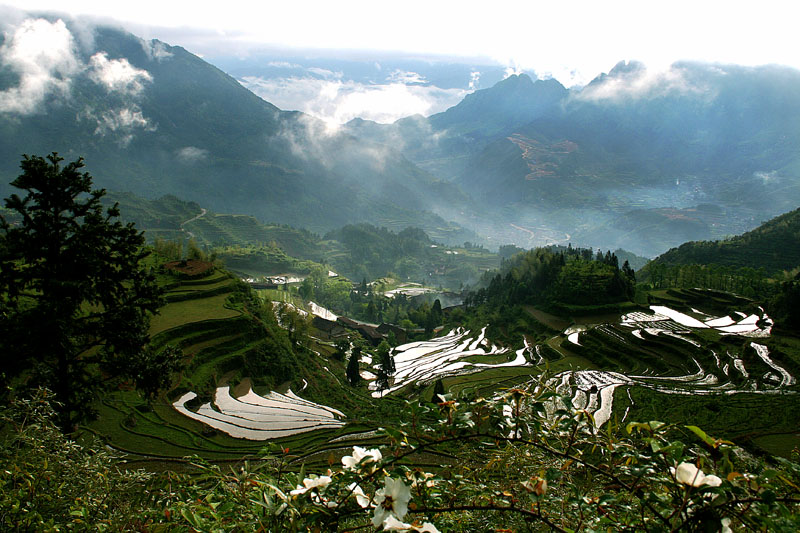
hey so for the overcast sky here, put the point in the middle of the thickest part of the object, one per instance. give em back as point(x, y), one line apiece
point(572, 41)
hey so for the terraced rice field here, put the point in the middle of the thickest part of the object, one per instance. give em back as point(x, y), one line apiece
point(594, 389)
point(193, 310)
point(426, 361)
point(682, 362)
point(255, 417)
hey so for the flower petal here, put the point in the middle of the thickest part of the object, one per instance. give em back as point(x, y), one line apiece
point(380, 515)
point(393, 524)
point(361, 498)
point(688, 474)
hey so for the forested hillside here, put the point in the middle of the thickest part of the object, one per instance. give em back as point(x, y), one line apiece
point(773, 246)
point(546, 278)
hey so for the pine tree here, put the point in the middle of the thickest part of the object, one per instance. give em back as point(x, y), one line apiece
point(75, 298)
point(385, 359)
point(353, 375)
point(438, 391)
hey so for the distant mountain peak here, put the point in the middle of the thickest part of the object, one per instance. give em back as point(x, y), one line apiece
point(622, 70)
point(515, 80)
point(626, 67)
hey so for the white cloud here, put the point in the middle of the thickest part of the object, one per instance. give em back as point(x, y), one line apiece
point(474, 78)
point(122, 123)
point(117, 75)
point(324, 73)
point(572, 41)
point(155, 49)
point(283, 64)
point(192, 154)
point(338, 101)
point(123, 120)
point(42, 54)
point(408, 78)
point(120, 77)
point(766, 177)
point(643, 82)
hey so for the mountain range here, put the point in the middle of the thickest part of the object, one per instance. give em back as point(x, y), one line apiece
point(636, 159)
point(154, 119)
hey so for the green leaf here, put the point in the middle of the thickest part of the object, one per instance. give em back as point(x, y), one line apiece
point(702, 435)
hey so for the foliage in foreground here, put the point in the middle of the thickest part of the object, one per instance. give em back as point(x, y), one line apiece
point(51, 483)
point(526, 460)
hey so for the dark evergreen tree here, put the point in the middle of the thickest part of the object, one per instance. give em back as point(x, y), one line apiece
point(785, 306)
point(628, 271)
point(352, 371)
point(385, 359)
point(391, 338)
point(75, 298)
point(342, 345)
point(436, 311)
point(438, 391)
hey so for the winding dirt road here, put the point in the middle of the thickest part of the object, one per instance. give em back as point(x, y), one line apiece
point(203, 212)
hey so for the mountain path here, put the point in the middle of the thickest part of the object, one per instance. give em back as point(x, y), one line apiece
point(203, 212)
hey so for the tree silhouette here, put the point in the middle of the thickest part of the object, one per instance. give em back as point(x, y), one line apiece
point(352, 370)
point(385, 358)
point(75, 299)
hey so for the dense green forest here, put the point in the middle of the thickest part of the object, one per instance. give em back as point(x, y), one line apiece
point(772, 247)
point(549, 278)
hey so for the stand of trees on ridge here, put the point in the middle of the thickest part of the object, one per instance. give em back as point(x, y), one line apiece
point(573, 276)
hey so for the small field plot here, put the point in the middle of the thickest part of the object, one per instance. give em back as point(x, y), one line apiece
point(179, 313)
point(255, 417)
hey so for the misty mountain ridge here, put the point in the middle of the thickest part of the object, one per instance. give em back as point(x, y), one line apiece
point(773, 246)
point(630, 158)
point(170, 123)
point(637, 159)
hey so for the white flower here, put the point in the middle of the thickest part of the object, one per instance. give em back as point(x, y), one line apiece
point(726, 526)
point(351, 462)
point(392, 499)
point(393, 524)
point(361, 498)
point(309, 483)
point(689, 474)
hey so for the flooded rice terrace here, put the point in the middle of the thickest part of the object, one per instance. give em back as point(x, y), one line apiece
point(461, 352)
point(593, 390)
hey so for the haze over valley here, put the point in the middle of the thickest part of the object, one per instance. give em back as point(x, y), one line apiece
point(636, 159)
